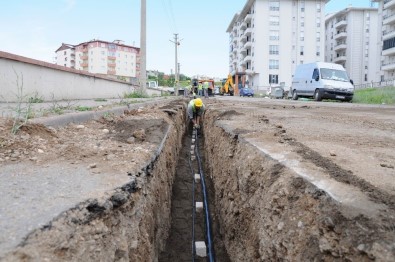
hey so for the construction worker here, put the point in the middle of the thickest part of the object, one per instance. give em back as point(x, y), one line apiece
point(205, 89)
point(187, 90)
point(200, 89)
point(195, 112)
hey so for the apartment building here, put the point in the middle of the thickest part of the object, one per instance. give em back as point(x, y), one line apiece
point(386, 43)
point(351, 40)
point(269, 38)
point(113, 59)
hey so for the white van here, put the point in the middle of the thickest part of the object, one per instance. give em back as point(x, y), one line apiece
point(322, 80)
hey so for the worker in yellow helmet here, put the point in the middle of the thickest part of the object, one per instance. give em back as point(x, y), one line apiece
point(195, 112)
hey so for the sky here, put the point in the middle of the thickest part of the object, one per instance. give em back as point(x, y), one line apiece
point(36, 28)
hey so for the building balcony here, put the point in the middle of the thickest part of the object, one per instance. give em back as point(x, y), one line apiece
point(72, 55)
point(389, 3)
point(340, 59)
point(389, 19)
point(84, 64)
point(388, 66)
point(248, 18)
point(249, 71)
point(235, 39)
point(83, 57)
point(247, 58)
point(111, 57)
point(340, 46)
point(248, 31)
point(242, 62)
point(248, 44)
point(243, 26)
point(388, 34)
point(340, 35)
point(111, 65)
point(387, 52)
point(111, 72)
point(341, 23)
point(243, 50)
point(243, 38)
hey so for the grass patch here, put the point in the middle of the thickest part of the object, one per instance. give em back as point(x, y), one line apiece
point(100, 100)
point(384, 95)
point(83, 108)
point(135, 95)
point(36, 98)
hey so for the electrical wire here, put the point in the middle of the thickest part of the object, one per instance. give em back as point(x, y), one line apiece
point(170, 16)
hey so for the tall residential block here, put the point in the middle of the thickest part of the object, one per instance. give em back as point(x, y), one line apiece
point(386, 24)
point(113, 59)
point(269, 38)
point(351, 40)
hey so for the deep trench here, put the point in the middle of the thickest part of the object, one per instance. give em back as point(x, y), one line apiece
point(179, 245)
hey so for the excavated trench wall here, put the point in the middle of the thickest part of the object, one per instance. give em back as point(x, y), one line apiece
point(268, 213)
point(131, 225)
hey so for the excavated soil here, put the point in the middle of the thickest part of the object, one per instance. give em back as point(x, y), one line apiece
point(288, 181)
point(303, 181)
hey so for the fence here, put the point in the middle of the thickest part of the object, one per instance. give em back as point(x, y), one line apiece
point(372, 84)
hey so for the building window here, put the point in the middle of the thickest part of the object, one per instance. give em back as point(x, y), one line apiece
point(302, 50)
point(366, 77)
point(273, 79)
point(274, 5)
point(64, 52)
point(273, 64)
point(274, 20)
point(273, 50)
point(274, 35)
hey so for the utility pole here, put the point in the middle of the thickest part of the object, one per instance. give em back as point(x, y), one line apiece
point(143, 48)
point(176, 44)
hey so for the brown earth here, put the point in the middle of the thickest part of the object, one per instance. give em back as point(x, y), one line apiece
point(301, 181)
point(292, 180)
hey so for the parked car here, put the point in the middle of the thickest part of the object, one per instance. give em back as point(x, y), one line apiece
point(246, 91)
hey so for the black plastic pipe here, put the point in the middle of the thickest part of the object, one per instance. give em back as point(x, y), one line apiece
point(210, 247)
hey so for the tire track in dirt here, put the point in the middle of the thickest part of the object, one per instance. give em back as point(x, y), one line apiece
point(342, 175)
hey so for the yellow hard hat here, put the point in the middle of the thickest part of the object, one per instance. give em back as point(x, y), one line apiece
point(198, 102)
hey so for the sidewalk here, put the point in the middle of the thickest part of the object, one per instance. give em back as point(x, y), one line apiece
point(62, 107)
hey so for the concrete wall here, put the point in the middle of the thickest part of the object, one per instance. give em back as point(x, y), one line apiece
point(53, 82)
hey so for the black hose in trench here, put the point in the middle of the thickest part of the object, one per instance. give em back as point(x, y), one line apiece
point(210, 248)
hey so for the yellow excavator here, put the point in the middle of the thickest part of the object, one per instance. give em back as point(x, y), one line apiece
point(227, 86)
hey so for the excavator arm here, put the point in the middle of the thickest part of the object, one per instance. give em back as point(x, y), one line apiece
point(228, 86)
